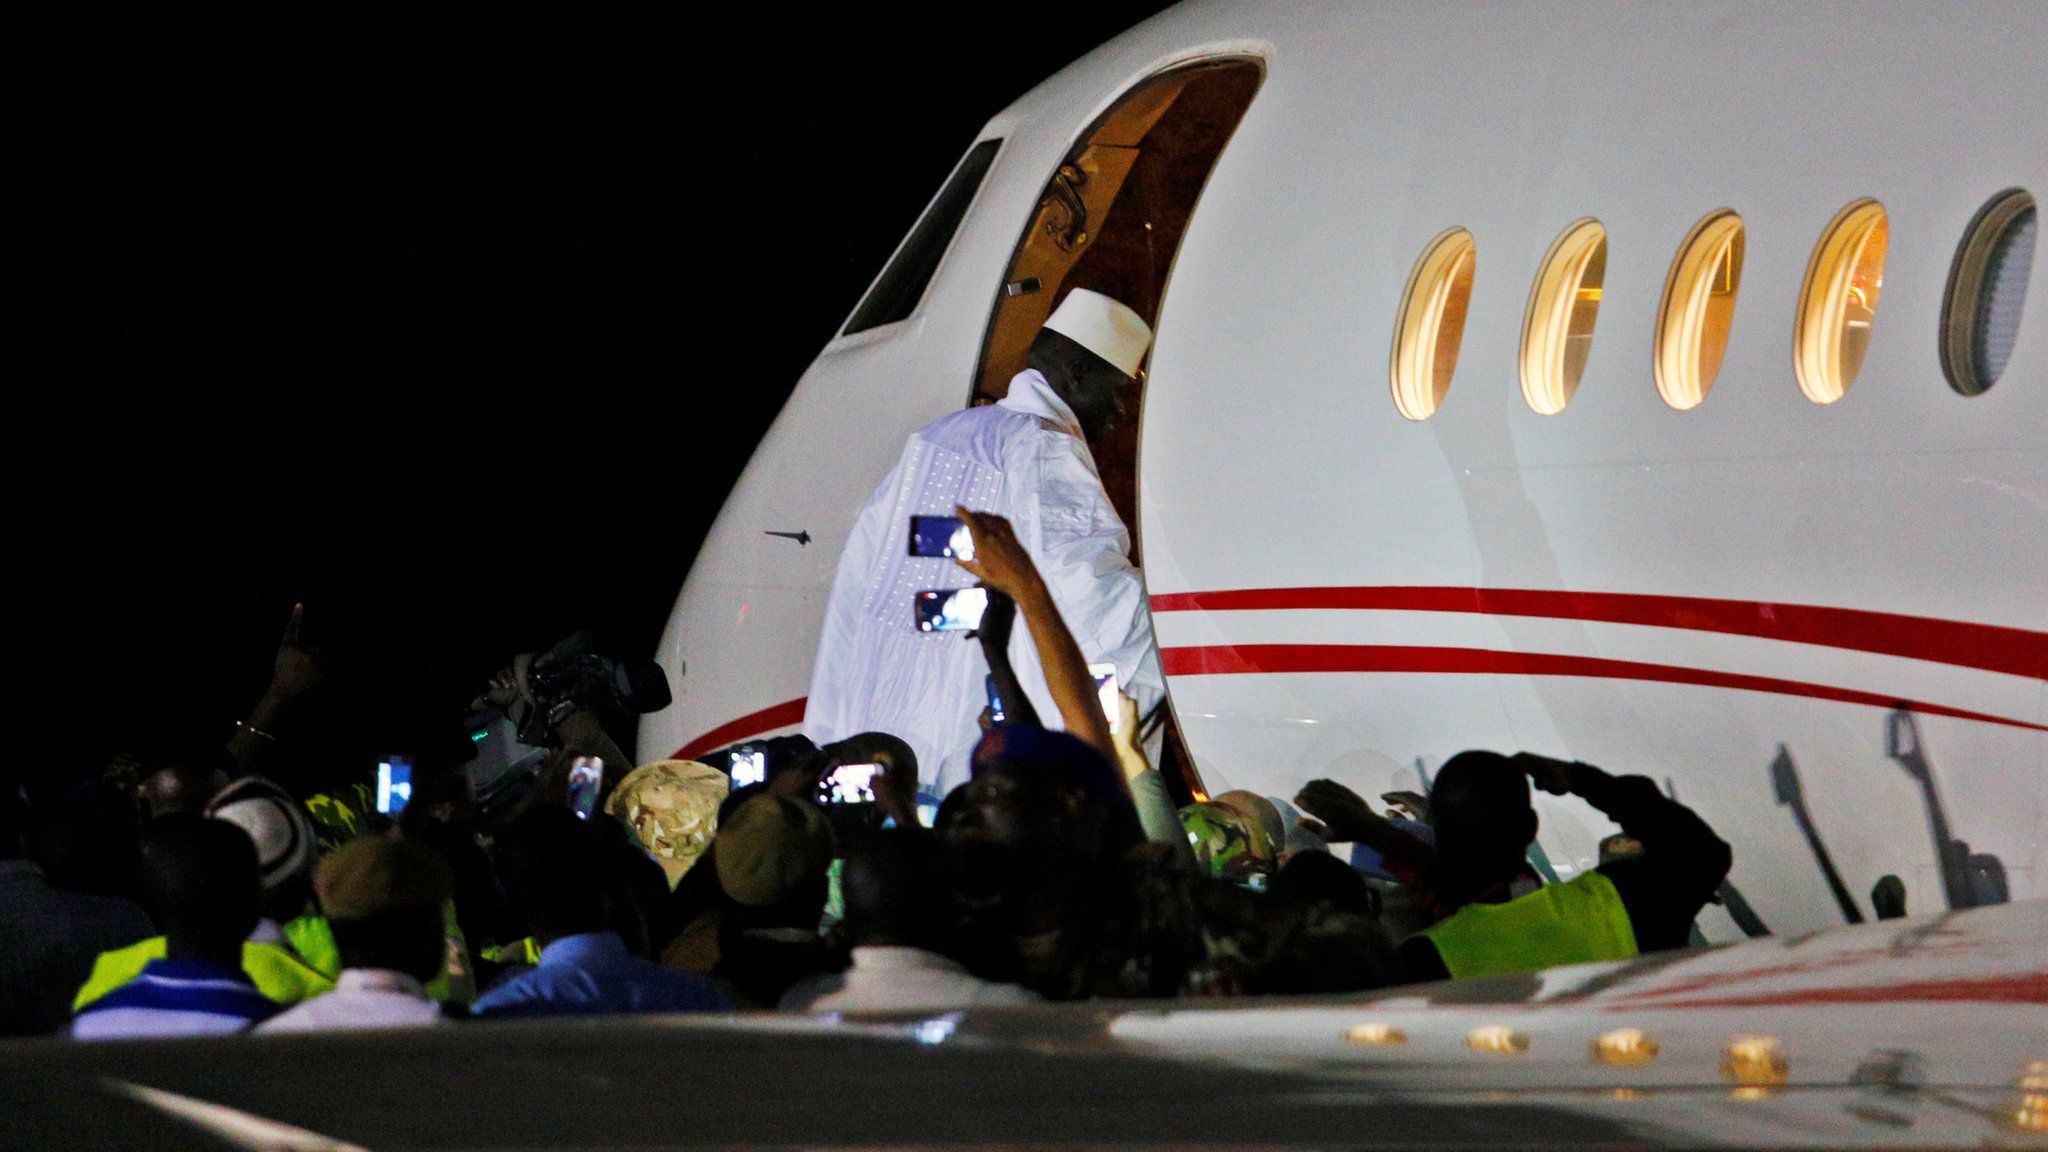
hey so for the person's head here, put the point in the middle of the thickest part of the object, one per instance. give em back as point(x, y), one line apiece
point(1321, 884)
point(1226, 843)
point(382, 897)
point(1042, 811)
point(284, 837)
point(772, 856)
point(87, 838)
point(553, 869)
point(182, 787)
point(1089, 352)
point(893, 891)
point(200, 881)
point(672, 808)
point(1483, 818)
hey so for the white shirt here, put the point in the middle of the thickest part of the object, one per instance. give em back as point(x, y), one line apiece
point(362, 998)
point(887, 979)
point(1026, 459)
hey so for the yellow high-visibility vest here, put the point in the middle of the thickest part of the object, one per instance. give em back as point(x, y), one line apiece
point(276, 972)
point(1572, 923)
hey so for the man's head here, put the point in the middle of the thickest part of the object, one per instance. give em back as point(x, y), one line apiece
point(892, 890)
point(383, 897)
point(1483, 817)
point(201, 883)
point(1089, 352)
point(672, 808)
point(553, 868)
point(87, 838)
point(1041, 811)
point(183, 787)
point(772, 856)
point(284, 837)
point(898, 761)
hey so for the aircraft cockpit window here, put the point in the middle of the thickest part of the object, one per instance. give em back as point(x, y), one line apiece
point(1432, 323)
point(901, 286)
point(1838, 302)
point(1987, 289)
point(1557, 331)
point(1698, 309)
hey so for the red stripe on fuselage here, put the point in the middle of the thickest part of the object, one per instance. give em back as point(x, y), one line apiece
point(753, 724)
point(1990, 647)
point(1228, 659)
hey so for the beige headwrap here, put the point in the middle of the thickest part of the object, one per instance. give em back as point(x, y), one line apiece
point(672, 806)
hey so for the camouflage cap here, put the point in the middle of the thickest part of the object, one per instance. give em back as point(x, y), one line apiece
point(1225, 845)
point(672, 808)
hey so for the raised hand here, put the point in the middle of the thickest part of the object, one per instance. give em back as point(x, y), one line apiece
point(1340, 814)
point(1546, 772)
point(1000, 561)
point(299, 665)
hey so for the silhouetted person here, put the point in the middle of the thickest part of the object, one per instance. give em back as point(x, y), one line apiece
point(384, 898)
point(182, 788)
point(52, 934)
point(895, 919)
point(200, 878)
point(1888, 897)
point(1485, 822)
point(772, 858)
point(555, 871)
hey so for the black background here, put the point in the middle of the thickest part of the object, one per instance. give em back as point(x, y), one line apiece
point(456, 325)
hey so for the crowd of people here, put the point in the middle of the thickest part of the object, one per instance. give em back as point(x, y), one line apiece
point(208, 896)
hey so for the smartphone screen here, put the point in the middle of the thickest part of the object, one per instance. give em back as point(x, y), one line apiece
point(586, 776)
point(394, 784)
point(1106, 689)
point(995, 700)
point(950, 610)
point(849, 784)
point(747, 766)
point(945, 536)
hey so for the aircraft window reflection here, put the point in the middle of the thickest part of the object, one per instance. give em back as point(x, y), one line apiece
point(901, 286)
point(1431, 324)
point(1698, 309)
point(1557, 331)
point(1987, 290)
point(1838, 302)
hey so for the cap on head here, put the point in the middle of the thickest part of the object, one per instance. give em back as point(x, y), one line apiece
point(1103, 326)
point(770, 848)
point(279, 825)
point(377, 874)
point(672, 808)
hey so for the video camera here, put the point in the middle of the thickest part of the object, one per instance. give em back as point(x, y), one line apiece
point(512, 723)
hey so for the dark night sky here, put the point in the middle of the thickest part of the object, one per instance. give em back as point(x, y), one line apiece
point(450, 324)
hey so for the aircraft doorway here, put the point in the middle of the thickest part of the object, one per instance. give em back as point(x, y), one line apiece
point(1111, 219)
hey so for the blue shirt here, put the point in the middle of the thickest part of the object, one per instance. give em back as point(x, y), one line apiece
point(592, 974)
point(176, 998)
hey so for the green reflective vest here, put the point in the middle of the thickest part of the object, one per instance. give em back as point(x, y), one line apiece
point(1573, 923)
point(313, 940)
point(276, 972)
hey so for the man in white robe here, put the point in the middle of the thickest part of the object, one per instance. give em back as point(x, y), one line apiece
point(1025, 458)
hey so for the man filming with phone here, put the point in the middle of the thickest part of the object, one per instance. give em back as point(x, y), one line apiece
point(883, 661)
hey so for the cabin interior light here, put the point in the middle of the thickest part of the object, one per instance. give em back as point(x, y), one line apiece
point(1838, 301)
point(1698, 309)
point(1431, 324)
point(1564, 303)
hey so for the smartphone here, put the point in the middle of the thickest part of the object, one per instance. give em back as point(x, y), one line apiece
point(394, 784)
point(849, 784)
point(945, 536)
point(995, 700)
point(748, 765)
point(586, 775)
point(1106, 689)
point(950, 609)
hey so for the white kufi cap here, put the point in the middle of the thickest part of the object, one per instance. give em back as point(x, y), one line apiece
point(1104, 327)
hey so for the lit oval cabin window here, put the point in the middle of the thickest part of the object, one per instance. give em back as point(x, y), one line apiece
point(1987, 290)
point(1838, 302)
point(1698, 309)
point(1432, 323)
point(1557, 331)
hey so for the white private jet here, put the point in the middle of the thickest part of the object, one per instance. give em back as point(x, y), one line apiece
point(1645, 384)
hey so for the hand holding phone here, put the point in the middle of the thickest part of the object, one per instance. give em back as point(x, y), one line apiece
point(941, 536)
point(394, 784)
point(747, 765)
point(950, 609)
point(849, 784)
